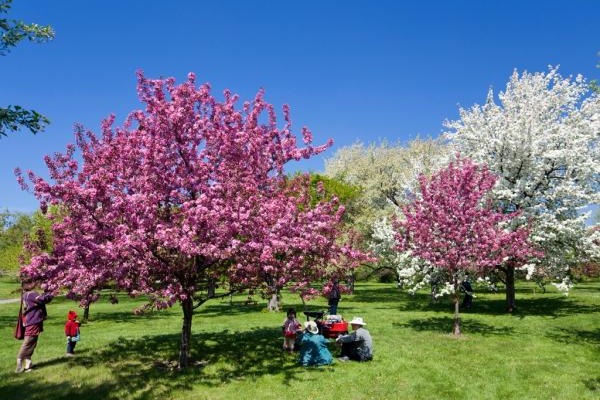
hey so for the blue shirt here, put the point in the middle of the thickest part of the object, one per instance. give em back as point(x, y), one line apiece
point(313, 350)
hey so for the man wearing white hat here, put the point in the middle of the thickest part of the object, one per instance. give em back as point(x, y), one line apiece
point(358, 345)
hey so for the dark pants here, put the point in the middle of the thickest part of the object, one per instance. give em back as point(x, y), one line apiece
point(71, 347)
point(467, 301)
point(333, 303)
point(350, 350)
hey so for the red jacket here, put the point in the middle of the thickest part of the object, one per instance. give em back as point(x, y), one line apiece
point(71, 328)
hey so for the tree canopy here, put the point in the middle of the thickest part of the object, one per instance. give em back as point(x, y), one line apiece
point(12, 32)
point(542, 140)
point(188, 194)
point(386, 175)
point(451, 225)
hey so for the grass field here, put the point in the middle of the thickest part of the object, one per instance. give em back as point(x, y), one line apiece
point(550, 349)
point(9, 286)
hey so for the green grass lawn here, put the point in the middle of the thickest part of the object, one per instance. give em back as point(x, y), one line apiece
point(9, 286)
point(550, 349)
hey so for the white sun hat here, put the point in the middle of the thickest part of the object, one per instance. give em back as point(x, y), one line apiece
point(311, 326)
point(357, 321)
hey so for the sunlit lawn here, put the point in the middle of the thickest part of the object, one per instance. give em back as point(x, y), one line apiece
point(550, 349)
point(8, 286)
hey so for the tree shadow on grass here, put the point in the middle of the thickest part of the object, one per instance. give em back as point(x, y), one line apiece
point(217, 358)
point(32, 388)
point(123, 316)
point(214, 309)
point(143, 368)
point(444, 325)
point(570, 335)
point(544, 306)
point(593, 384)
point(380, 294)
point(555, 306)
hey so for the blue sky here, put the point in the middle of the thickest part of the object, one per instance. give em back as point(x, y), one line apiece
point(350, 70)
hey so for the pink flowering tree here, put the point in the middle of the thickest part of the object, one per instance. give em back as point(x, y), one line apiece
point(189, 195)
point(456, 229)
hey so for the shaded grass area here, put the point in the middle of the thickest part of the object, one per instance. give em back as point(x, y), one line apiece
point(548, 349)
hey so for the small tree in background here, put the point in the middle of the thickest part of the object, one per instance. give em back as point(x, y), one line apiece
point(188, 195)
point(453, 226)
point(12, 32)
point(14, 228)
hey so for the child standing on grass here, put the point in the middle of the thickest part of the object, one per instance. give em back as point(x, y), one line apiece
point(72, 332)
point(290, 328)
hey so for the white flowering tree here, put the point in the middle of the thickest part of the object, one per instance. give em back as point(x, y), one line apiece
point(541, 138)
point(413, 272)
point(385, 173)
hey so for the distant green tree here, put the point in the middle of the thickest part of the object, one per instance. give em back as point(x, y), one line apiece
point(14, 117)
point(19, 230)
point(14, 227)
point(324, 188)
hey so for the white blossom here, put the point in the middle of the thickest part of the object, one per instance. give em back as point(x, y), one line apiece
point(386, 173)
point(543, 140)
point(564, 286)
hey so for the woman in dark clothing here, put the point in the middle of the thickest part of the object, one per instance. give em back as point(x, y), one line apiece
point(34, 314)
point(466, 287)
point(334, 297)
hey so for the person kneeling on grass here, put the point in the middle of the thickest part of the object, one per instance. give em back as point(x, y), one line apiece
point(358, 345)
point(313, 347)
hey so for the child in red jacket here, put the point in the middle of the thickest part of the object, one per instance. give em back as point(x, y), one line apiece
point(72, 332)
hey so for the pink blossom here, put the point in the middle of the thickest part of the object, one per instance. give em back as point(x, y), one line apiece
point(188, 191)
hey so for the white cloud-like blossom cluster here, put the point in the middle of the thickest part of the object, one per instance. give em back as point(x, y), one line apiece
point(543, 140)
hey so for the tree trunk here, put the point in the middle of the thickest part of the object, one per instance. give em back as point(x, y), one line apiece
point(456, 327)
point(351, 280)
point(186, 332)
point(212, 288)
point(275, 302)
point(86, 313)
point(510, 288)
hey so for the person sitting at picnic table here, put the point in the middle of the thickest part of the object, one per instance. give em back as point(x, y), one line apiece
point(313, 347)
point(358, 345)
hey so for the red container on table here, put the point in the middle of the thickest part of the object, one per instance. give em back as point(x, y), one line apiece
point(334, 329)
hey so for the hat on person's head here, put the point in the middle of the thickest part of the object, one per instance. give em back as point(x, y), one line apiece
point(357, 321)
point(71, 315)
point(311, 326)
